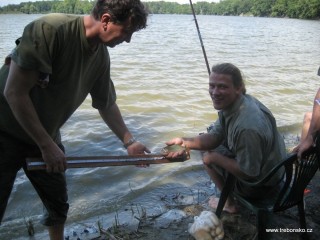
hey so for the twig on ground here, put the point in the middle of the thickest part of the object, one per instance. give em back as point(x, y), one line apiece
point(29, 225)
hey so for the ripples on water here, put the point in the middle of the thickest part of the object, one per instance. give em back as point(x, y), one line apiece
point(161, 81)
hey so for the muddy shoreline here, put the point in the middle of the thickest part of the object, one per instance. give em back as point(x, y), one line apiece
point(174, 221)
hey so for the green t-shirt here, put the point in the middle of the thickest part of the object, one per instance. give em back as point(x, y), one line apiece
point(56, 46)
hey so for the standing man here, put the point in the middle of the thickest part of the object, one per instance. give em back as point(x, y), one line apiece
point(244, 141)
point(59, 60)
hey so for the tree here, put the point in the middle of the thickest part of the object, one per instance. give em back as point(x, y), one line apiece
point(70, 5)
point(279, 9)
point(308, 9)
point(304, 9)
point(83, 7)
point(262, 8)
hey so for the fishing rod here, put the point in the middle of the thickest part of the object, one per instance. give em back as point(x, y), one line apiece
point(199, 34)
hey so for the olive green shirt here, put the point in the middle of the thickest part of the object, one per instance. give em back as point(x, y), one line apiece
point(250, 132)
point(56, 46)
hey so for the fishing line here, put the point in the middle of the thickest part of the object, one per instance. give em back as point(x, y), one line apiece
point(199, 34)
point(201, 42)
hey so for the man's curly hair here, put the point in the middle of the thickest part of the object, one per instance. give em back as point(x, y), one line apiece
point(122, 10)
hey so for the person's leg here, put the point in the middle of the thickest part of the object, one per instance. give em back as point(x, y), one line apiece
point(219, 180)
point(52, 189)
point(306, 125)
point(10, 164)
point(7, 178)
point(56, 232)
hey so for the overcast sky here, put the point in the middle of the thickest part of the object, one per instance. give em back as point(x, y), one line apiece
point(6, 2)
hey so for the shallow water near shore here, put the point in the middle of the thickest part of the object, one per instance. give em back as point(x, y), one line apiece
point(161, 82)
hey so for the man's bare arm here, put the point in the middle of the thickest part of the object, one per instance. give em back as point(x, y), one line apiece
point(202, 142)
point(113, 118)
point(18, 86)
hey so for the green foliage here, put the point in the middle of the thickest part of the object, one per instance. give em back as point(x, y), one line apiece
point(303, 9)
point(62, 6)
point(307, 9)
point(262, 8)
point(279, 8)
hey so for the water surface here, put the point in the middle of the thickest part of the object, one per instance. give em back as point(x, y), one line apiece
point(161, 81)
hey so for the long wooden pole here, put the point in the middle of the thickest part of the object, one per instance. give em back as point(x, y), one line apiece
point(199, 34)
point(104, 161)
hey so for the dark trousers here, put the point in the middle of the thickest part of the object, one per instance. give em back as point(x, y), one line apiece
point(51, 187)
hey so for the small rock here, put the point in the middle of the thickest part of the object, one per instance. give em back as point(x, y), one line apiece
point(167, 218)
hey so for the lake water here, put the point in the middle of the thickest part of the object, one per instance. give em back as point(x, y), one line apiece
point(161, 81)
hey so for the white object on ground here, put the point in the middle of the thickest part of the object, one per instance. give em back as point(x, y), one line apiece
point(207, 226)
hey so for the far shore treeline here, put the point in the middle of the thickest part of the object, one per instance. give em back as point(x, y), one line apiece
point(301, 9)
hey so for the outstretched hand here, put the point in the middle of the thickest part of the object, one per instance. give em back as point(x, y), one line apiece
point(174, 153)
point(175, 141)
point(137, 148)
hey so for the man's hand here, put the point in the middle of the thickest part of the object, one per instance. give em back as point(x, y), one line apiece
point(304, 146)
point(174, 153)
point(175, 141)
point(138, 148)
point(54, 157)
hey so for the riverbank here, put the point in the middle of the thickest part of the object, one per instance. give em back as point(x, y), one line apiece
point(171, 214)
point(174, 221)
point(165, 211)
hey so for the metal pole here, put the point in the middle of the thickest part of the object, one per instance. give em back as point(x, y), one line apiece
point(104, 161)
point(199, 34)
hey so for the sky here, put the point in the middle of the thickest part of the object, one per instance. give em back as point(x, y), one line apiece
point(6, 2)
